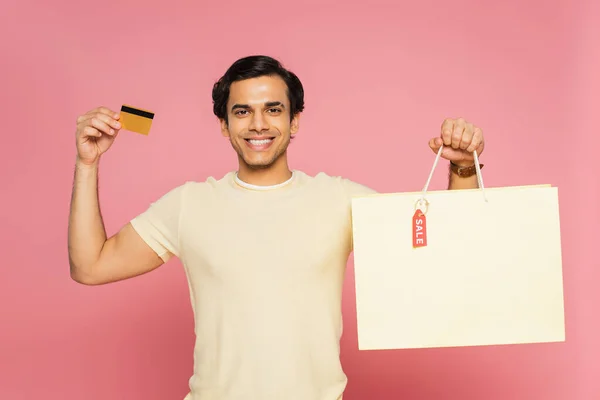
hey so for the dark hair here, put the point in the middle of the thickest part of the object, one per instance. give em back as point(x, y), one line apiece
point(254, 67)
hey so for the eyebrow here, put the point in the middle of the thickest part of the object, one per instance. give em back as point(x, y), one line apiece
point(267, 104)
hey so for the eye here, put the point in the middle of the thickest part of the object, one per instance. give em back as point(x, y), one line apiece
point(240, 112)
point(274, 110)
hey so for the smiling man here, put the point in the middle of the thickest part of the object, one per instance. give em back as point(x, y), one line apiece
point(264, 247)
point(258, 120)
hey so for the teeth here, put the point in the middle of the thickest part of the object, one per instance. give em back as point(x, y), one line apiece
point(259, 142)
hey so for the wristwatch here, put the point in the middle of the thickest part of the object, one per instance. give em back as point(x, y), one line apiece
point(464, 172)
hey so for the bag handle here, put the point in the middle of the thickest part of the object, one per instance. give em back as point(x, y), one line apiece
point(423, 201)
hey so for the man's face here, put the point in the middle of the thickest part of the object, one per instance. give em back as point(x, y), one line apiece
point(259, 125)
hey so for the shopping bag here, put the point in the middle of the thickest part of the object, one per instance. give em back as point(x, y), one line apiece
point(458, 268)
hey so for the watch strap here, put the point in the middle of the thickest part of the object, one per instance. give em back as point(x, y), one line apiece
point(464, 172)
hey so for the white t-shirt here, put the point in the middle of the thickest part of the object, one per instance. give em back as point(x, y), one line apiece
point(265, 270)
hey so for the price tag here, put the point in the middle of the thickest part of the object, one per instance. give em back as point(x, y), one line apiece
point(419, 230)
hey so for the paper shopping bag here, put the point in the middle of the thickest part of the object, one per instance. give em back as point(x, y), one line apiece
point(484, 268)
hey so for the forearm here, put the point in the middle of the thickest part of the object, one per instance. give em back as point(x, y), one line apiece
point(87, 234)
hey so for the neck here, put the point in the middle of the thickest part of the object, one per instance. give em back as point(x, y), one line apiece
point(275, 174)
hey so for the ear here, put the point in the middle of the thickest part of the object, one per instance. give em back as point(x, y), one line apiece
point(224, 128)
point(295, 124)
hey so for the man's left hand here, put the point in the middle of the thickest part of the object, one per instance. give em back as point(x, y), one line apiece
point(460, 138)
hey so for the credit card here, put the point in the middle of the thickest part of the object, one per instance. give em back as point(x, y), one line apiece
point(136, 119)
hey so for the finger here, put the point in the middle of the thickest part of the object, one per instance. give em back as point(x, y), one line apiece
point(435, 144)
point(109, 120)
point(457, 132)
point(90, 131)
point(447, 127)
point(100, 125)
point(476, 141)
point(85, 119)
point(480, 148)
point(103, 122)
point(467, 137)
point(106, 111)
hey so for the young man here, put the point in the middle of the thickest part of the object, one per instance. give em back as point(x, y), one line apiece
point(264, 248)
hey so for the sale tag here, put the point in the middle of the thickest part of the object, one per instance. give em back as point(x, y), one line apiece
point(419, 231)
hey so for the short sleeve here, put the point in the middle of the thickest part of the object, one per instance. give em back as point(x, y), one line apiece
point(158, 226)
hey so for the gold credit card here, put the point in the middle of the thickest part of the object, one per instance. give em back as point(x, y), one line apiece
point(135, 119)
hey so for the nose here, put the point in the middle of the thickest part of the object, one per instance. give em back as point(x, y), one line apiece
point(258, 123)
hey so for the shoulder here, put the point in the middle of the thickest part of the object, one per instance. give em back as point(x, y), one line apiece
point(196, 190)
point(193, 188)
point(340, 184)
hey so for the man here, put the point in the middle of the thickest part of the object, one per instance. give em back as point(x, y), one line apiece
point(264, 248)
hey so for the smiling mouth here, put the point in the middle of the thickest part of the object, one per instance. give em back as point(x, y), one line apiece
point(262, 144)
point(259, 142)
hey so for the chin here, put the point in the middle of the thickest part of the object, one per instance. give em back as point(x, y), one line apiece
point(258, 167)
point(260, 164)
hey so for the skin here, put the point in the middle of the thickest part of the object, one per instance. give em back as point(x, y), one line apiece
point(95, 259)
point(461, 139)
point(259, 108)
point(256, 108)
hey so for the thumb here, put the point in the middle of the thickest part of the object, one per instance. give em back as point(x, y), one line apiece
point(435, 144)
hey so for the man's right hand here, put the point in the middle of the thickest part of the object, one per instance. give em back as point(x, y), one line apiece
point(96, 132)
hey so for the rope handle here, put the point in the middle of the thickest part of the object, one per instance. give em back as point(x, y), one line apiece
point(423, 201)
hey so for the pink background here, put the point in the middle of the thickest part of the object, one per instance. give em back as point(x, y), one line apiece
point(379, 80)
